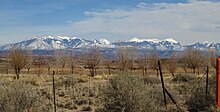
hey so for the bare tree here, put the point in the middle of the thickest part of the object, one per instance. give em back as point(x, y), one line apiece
point(49, 62)
point(109, 64)
point(123, 58)
point(92, 59)
point(29, 60)
point(183, 63)
point(143, 62)
point(153, 61)
point(132, 57)
point(172, 63)
point(72, 60)
point(213, 54)
point(61, 60)
point(39, 64)
point(18, 60)
point(193, 58)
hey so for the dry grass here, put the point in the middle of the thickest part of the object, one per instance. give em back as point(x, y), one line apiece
point(79, 92)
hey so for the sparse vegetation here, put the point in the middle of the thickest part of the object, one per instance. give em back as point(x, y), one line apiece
point(120, 84)
point(18, 97)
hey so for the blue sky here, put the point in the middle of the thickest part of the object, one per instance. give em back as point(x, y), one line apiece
point(187, 21)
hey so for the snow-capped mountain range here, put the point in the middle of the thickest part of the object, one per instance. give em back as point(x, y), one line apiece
point(153, 44)
point(59, 42)
point(64, 42)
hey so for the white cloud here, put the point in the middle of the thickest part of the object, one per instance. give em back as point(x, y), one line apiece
point(189, 22)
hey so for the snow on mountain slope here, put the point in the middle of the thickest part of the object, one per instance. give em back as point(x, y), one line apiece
point(153, 44)
point(171, 40)
point(50, 43)
point(135, 39)
point(205, 45)
point(65, 42)
point(104, 41)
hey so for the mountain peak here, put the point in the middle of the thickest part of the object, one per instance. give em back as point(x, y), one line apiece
point(104, 41)
point(171, 40)
point(51, 37)
point(57, 37)
point(64, 37)
point(135, 39)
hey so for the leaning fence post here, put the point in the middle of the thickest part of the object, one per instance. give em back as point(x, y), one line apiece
point(161, 76)
point(54, 94)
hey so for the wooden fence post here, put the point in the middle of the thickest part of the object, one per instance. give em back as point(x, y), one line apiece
point(54, 93)
point(207, 80)
point(161, 76)
point(218, 84)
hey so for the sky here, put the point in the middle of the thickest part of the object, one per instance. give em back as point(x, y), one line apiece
point(187, 21)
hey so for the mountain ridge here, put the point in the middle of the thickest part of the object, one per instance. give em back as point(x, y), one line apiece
point(65, 42)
